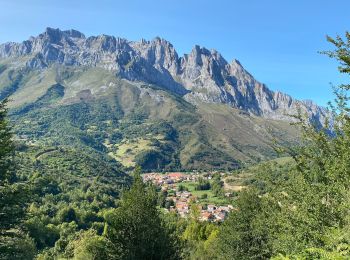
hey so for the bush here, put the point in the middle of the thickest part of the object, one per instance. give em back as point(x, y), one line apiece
point(204, 196)
point(203, 184)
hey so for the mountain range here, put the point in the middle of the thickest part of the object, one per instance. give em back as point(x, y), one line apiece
point(139, 102)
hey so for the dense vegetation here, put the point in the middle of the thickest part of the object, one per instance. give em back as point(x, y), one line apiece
point(13, 196)
point(57, 202)
point(89, 125)
point(299, 212)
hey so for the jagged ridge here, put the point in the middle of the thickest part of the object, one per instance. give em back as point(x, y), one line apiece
point(200, 76)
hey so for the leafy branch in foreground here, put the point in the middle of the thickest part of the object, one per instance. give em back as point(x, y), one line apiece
point(307, 215)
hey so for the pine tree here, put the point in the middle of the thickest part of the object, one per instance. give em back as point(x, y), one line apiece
point(136, 228)
point(6, 146)
point(14, 244)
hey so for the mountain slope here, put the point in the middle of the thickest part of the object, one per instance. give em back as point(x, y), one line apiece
point(201, 75)
point(139, 102)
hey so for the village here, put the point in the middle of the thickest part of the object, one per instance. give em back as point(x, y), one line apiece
point(182, 199)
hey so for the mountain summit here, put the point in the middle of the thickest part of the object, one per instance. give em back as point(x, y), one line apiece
point(139, 103)
point(201, 76)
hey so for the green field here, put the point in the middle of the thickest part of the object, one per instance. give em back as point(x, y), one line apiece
point(211, 199)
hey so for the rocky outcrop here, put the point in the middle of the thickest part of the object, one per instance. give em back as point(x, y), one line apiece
point(202, 75)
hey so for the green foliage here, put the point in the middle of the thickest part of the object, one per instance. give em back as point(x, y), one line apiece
point(203, 184)
point(199, 239)
point(13, 197)
point(299, 211)
point(15, 244)
point(151, 160)
point(245, 235)
point(135, 228)
point(43, 235)
point(182, 188)
point(6, 146)
point(67, 214)
point(204, 196)
point(65, 204)
point(162, 198)
point(217, 186)
point(91, 246)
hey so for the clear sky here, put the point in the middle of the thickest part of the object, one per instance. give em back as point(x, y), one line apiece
point(276, 40)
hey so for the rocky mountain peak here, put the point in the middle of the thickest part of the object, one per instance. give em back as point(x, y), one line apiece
point(74, 34)
point(201, 76)
point(55, 34)
point(52, 35)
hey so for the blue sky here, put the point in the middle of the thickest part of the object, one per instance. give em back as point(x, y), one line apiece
point(277, 41)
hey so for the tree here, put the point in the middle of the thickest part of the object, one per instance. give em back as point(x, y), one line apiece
point(304, 216)
point(136, 229)
point(91, 246)
point(6, 147)
point(67, 214)
point(245, 234)
point(162, 198)
point(181, 188)
point(198, 238)
point(202, 184)
point(217, 186)
point(14, 244)
point(324, 166)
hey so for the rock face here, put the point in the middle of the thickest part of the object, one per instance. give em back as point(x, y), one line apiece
point(203, 75)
